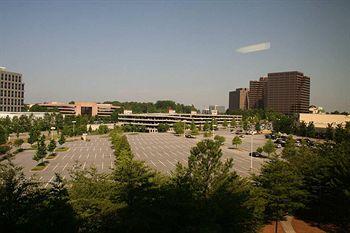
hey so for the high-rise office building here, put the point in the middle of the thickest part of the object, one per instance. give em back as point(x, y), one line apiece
point(288, 92)
point(238, 99)
point(258, 93)
point(11, 91)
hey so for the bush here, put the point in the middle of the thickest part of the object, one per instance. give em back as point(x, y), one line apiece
point(4, 149)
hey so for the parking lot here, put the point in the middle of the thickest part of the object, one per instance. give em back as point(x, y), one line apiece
point(163, 150)
point(97, 152)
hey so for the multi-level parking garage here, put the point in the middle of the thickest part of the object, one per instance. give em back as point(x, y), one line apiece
point(152, 120)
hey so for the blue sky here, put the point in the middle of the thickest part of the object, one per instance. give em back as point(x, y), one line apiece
point(180, 50)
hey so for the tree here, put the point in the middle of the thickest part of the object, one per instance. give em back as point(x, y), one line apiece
point(52, 146)
point(225, 124)
point(206, 126)
point(269, 147)
point(258, 127)
point(289, 149)
point(163, 127)
point(179, 127)
point(219, 139)
point(34, 135)
point(115, 116)
point(3, 135)
point(62, 139)
point(41, 150)
point(233, 123)
point(208, 196)
point(302, 129)
point(236, 141)
point(102, 129)
point(18, 143)
point(310, 130)
point(329, 135)
point(281, 188)
point(259, 149)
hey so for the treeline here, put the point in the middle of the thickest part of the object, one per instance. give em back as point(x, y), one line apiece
point(204, 196)
point(69, 125)
point(150, 107)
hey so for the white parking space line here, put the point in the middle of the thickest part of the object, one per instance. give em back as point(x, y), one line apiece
point(65, 166)
point(48, 182)
point(102, 165)
point(153, 163)
point(95, 156)
point(55, 167)
point(87, 157)
point(162, 163)
point(84, 165)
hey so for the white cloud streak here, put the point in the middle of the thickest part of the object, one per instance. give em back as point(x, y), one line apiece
point(254, 48)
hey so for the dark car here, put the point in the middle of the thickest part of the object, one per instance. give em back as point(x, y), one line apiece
point(189, 136)
point(256, 154)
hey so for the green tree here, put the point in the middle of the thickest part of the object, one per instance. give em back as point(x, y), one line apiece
point(310, 130)
point(102, 129)
point(236, 141)
point(206, 126)
point(34, 135)
point(18, 143)
point(41, 150)
point(269, 147)
point(209, 195)
point(163, 127)
point(259, 149)
point(290, 148)
point(281, 188)
point(179, 127)
point(62, 139)
point(329, 135)
point(233, 123)
point(52, 146)
point(219, 139)
point(302, 129)
point(3, 135)
point(225, 124)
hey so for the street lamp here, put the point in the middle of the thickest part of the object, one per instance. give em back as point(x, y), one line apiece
point(251, 152)
point(52, 131)
point(73, 122)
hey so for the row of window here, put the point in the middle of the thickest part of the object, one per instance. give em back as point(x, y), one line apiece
point(17, 86)
point(10, 109)
point(11, 77)
point(11, 101)
point(17, 94)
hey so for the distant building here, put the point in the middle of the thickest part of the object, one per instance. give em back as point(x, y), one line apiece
point(11, 92)
point(288, 92)
point(316, 110)
point(239, 99)
point(258, 93)
point(81, 108)
point(321, 121)
point(219, 109)
point(152, 120)
point(283, 92)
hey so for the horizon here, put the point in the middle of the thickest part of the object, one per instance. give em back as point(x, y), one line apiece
point(191, 53)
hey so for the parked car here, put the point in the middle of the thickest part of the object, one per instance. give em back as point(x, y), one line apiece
point(278, 145)
point(256, 154)
point(189, 136)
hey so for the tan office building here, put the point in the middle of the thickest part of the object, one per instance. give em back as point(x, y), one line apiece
point(11, 91)
point(238, 99)
point(258, 93)
point(288, 92)
point(81, 108)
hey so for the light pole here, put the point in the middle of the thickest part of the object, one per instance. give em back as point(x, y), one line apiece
point(73, 122)
point(53, 132)
point(251, 152)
